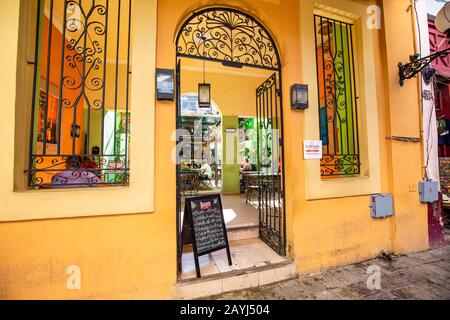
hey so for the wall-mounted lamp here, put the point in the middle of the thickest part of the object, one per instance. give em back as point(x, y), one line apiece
point(76, 131)
point(299, 96)
point(204, 95)
point(428, 74)
point(164, 84)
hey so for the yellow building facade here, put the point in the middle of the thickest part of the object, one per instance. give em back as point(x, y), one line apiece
point(124, 238)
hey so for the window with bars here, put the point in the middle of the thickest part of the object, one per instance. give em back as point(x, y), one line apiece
point(80, 130)
point(338, 112)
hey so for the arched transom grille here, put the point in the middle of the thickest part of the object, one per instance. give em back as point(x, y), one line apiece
point(229, 36)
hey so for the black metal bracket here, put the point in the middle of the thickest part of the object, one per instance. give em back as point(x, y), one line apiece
point(410, 70)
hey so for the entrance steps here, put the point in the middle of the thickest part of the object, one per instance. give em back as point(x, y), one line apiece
point(234, 280)
point(243, 233)
point(254, 265)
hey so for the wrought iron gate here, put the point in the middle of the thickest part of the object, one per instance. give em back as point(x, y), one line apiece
point(270, 165)
point(178, 166)
point(236, 39)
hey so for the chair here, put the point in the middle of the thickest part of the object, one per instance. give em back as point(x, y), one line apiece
point(189, 182)
point(205, 182)
point(251, 186)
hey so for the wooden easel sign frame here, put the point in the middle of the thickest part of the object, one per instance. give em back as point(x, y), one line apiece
point(203, 216)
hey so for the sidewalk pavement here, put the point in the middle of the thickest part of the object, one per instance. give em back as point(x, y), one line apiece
point(422, 276)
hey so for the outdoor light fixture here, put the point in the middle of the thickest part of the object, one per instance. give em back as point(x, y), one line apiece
point(299, 96)
point(428, 74)
point(417, 64)
point(164, 84)
point(204, 92)
point(204, 95)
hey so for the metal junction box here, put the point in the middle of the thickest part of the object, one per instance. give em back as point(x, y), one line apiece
point(381, 205)
point(428, 191)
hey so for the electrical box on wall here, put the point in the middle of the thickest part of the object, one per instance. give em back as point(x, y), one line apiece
point(381, 205)
point(428, 191)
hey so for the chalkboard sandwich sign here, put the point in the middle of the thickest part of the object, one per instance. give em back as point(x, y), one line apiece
point(204, 223)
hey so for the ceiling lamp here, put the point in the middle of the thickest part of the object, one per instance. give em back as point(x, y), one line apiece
point(204, 92)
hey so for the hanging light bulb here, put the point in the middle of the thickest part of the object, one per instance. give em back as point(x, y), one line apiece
point(204, 92)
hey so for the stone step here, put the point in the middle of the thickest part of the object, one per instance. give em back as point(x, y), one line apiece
point(234, 280)
point(243, 233)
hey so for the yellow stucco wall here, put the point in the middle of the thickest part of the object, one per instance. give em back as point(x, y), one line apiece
point(124, 256)
point(409, 229)
point(338, 231)
point(133, 256)
point(234, 93)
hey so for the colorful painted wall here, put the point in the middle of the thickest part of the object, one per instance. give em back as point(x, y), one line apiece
point(125, 244)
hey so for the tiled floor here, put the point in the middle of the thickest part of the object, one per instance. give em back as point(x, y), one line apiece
point(245, 254)
point(236, 212)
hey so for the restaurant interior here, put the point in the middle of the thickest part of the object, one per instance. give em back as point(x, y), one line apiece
point(223, 137)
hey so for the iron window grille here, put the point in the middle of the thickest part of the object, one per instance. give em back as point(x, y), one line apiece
point(338, 112)
point(80, 121)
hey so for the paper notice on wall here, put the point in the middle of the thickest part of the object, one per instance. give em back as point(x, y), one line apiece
point(312, 149)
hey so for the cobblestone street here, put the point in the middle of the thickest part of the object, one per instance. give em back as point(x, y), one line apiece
point(423, 275)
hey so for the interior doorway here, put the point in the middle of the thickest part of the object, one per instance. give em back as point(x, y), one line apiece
point(234, 145)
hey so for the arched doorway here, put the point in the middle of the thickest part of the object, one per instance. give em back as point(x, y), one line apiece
point(238, 40)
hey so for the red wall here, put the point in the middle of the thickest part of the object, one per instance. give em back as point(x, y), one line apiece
point(439, 42)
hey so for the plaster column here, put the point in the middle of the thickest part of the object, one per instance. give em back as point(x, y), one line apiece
point(409, 230)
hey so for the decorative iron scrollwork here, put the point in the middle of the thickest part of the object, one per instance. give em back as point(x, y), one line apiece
point(53, 171)
point(335, 84)
point(337, 98)
point(227, 35)
point(410, 70)
point(340, 165)
point(84, 54)
point(81, 51)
